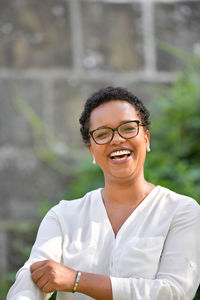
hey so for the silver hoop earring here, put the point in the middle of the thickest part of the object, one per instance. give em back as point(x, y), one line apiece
point(94, 162)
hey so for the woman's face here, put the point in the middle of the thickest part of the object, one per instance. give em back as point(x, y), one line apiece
point(118, 166)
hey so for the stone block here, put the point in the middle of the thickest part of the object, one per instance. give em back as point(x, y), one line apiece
point(3, 254)
point(34, 34)
point(112, 36)
point(145, 91)
point(20, 239)
point(15, 129)
point(177, 24)
point(26, 182)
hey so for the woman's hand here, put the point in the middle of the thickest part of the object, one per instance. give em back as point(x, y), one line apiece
point(50, 276)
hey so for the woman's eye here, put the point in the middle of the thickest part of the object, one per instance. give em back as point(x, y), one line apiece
point(130, 128)
point(102, 134)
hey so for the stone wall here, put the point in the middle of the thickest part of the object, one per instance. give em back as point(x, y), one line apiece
point(53, 54)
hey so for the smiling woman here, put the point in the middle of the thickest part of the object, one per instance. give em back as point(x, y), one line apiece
point(129, 240)
point(123, 150)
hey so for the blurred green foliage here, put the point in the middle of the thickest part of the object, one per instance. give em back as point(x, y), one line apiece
point(174, 161)
point(86, 177)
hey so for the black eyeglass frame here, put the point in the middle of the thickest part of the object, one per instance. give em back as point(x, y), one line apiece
point(138, 122)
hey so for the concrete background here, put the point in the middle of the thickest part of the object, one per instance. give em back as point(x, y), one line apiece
point(53, 55)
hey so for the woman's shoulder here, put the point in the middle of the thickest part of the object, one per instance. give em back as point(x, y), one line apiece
point(77, 204)
point(179, 201)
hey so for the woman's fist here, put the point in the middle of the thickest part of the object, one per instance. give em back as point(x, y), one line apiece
point(51, 276)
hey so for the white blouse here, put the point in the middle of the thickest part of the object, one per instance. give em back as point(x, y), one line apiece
point(155, 255)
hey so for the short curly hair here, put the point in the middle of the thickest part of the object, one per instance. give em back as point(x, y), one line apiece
point(105, 95)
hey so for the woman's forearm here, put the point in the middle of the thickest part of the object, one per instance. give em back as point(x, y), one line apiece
point(51, 276)
point(96, 286)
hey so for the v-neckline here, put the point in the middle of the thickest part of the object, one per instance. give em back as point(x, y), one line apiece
point(141, 205)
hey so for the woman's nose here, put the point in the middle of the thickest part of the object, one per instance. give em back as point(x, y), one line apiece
point(117, 139)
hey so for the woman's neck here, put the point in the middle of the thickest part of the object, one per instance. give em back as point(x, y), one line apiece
point(126, 193)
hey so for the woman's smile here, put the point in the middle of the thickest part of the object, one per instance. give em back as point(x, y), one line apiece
point(120, 155)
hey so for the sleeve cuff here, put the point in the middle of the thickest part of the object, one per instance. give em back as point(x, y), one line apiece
point(120, 288)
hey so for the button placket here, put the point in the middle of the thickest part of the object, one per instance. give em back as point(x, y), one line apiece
point(114, 257)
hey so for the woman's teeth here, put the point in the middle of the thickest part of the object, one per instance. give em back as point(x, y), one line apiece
point(120, 154)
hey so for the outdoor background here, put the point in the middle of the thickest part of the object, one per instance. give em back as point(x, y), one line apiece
point(53, 55)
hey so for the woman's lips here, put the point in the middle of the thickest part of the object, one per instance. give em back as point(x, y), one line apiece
point(119, 159)
point(119, 153)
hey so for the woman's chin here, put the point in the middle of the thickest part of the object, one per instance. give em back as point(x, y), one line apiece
point(122, 175)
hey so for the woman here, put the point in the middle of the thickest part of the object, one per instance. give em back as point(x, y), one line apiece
point(128, 240)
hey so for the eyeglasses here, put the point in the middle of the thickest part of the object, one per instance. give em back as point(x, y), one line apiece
point(127, 130)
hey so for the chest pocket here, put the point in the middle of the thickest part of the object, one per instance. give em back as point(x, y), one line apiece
point(140, 258)
point(79, 255)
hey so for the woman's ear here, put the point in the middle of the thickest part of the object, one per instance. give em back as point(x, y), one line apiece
point(147, 140)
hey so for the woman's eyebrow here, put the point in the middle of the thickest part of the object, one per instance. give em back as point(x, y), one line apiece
point(124, 121)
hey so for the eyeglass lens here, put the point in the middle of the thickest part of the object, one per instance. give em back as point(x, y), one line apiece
point(105, 135)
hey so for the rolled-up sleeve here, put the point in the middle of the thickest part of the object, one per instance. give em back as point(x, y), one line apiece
point(48, 245)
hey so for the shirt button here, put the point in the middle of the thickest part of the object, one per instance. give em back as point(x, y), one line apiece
point(192, 264)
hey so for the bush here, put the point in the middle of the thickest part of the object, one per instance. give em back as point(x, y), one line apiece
point(175, 161)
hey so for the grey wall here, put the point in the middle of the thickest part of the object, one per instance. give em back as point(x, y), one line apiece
point(53, 54)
